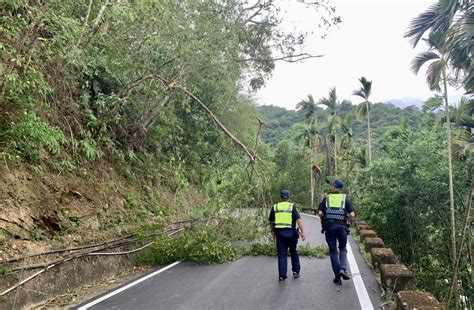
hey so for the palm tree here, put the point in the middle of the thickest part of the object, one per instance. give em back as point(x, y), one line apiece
point(465, 118)
point(437, 58)
point(438, 19)
point(308, 106)
point(300, 133)
point(363, 110)
point(456, 19)
point(461, 42)
point(360, 157)
point(436, 75)
point(346, 140)
point(334, 121)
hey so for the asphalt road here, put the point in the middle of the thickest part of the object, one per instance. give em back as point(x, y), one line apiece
point(250, 283)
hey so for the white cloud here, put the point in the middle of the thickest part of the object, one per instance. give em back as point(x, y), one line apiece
point(369, 42)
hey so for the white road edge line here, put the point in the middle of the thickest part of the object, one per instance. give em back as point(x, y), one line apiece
point(95, 302)
point(364, 299)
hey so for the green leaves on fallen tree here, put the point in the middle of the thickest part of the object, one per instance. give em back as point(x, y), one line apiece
point(197, 245)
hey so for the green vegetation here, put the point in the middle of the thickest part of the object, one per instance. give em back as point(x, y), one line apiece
point(36, 234)
point(208, 245)
point(4, 270)
point(201, 245)
point(149, 101)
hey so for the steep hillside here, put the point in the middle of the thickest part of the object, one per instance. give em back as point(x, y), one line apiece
point(44, 210)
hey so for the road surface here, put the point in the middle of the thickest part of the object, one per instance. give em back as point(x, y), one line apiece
point(249, 283)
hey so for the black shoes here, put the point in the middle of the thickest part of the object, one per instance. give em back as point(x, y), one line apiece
point(296, 275)
point(343, 273)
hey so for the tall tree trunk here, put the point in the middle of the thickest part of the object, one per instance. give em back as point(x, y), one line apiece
point(451, 187)
point(312, 188)
point(335, 154)
point(317, 175)
point(369, 138)
point(327, 152)
point(311, 174)
point(465, 225)
point(347, 164)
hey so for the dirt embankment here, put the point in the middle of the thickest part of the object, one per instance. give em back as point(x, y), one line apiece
point(41, 210)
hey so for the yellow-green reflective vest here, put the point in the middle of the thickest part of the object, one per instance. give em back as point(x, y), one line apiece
point(336, 201)
point(283, 214)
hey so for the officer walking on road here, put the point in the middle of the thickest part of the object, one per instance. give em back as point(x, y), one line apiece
point(333, 211)
point(284, 219)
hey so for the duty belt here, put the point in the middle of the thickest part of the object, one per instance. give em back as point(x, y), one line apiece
point(335, 222)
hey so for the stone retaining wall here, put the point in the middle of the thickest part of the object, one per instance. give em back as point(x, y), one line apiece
point(64, 278)
point(417, 300)
point(395, 277)
point(371, 243)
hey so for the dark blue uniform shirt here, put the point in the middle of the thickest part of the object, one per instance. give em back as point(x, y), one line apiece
point(295, 216)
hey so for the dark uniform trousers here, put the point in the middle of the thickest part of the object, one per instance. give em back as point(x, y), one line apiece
point(337, 233)
point(287, 239)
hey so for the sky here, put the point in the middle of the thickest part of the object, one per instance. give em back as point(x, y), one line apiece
point(369, 42)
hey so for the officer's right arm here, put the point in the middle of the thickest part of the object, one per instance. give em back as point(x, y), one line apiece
point(321, 208)
point(299, 222)
point(350, 208)
point(271, 219)
point(321, 214)
point(350, 216)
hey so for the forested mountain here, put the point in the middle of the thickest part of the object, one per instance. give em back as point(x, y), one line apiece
point(385, 117)
point(278, 122)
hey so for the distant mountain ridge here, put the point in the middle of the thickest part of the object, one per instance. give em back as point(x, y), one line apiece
point(402, 103)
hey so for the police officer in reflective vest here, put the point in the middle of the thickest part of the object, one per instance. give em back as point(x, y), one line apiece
point(284, 219)
point(333, 211)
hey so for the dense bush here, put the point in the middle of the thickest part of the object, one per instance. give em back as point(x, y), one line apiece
point(408, 205)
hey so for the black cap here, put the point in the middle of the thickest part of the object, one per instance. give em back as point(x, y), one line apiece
point(284, 194)
point(337, 183)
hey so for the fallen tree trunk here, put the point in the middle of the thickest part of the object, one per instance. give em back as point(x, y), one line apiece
point(250, 153)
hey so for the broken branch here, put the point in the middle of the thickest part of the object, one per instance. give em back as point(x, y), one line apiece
point(250, 153)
